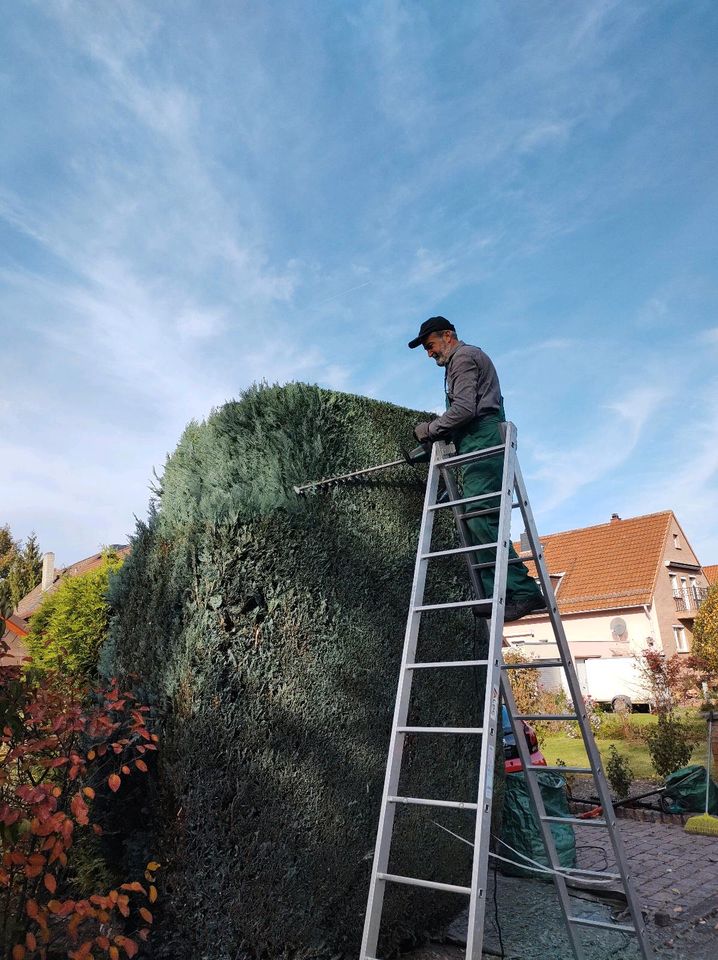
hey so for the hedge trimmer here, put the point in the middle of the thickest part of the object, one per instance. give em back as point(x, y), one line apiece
point(419, 454)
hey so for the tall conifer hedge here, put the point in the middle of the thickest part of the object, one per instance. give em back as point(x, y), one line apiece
point(267, 629)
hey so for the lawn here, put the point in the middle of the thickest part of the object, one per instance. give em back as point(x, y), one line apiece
point(625, 735)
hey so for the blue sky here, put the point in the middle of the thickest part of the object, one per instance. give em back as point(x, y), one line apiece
point(195, 195)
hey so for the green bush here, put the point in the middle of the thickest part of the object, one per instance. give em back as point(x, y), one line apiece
point(268, 629)
point(669, 744)
point(619, 772)
point(71, 623)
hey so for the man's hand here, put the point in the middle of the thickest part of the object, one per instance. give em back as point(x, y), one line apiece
point(421, 432)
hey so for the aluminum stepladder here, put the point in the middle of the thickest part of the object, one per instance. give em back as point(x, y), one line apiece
point(443, 463)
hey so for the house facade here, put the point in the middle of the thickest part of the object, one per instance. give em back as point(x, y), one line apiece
point(622, 587)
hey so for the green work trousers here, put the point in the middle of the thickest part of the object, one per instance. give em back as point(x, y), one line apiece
point(484, 476)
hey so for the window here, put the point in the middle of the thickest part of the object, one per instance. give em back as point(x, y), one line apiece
point(676, 541)
point(679, 635)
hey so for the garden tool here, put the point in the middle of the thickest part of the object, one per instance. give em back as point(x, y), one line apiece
point(419, 454)
point(705, 823)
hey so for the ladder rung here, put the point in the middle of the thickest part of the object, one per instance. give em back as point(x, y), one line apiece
point(532, 664)
point(454, 804)
point(432, 884)
point(454, 550)
point(469, 457)
point(603, 874)
point(479, 513)
point(439, 729)
point(492, 563)
point(457, 503)
point(604, 924)
point(453, 605)
point(577, 821)
point(546, 716)
point(552, 769)
point(447, 663)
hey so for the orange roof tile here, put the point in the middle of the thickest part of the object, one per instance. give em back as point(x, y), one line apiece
point(711, 573)
point(607, 566)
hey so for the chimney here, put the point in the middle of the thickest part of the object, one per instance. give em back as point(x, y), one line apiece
point(525, 545)
point(48, 571)
point(615, 518)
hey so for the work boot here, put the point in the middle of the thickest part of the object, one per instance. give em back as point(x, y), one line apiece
point(515, 609)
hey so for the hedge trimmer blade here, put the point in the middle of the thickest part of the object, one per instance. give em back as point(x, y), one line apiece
point(417, 455)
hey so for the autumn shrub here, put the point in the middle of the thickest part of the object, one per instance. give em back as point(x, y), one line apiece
point(269, 628)
point(62, 760)
point(705, 633)
point(67, 629)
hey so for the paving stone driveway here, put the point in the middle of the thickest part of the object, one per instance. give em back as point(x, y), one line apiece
point(673, 871)
point(676, 876)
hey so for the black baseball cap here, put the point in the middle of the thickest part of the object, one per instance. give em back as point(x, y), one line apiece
point(432, 325)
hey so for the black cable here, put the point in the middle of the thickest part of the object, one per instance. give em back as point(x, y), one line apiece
point(496, 911)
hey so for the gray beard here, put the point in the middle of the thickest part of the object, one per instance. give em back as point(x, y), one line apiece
point(441, 361)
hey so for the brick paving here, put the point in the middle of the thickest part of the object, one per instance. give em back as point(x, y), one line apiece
point(676, 876)
point(673, 871)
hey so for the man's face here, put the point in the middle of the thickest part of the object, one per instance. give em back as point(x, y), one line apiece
point(439, 345)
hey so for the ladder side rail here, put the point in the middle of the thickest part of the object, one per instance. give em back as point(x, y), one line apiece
point(492, 700)
point(382, 848)
point(580, 708)
point(534, 791)
point(461, 525)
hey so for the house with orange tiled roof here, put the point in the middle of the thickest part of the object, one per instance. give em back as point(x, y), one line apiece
point(17, 625)
point(622, 587)
point(711, 573)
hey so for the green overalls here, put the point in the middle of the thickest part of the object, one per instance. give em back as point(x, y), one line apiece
point(484, 476)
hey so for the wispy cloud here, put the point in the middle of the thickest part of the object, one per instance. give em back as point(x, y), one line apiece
point(602, 449)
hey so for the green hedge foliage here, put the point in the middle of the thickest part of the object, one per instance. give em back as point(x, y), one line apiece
point(71, 623)
point(267, 630)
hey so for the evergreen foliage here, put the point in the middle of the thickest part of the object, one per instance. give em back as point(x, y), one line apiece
point(268, 629)
point(25, 571)
point(705, 631)
point(9, 547)
point(71, 623)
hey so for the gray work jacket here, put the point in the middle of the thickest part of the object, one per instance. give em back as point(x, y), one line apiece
point(472, 390)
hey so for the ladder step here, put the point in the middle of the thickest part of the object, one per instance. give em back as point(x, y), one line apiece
point(460, 458)
point(439, 729)
point(552, 769)
point(479, 513)
point(576, 821)
point(446, 663)
point(603, 924)
point(532, 665)
point(473, 548)
point(492, 563)
point(431, 884)
point(546, 716)
point(454, 804)
point(603, 874)
point(458, 503)
point(453, 605)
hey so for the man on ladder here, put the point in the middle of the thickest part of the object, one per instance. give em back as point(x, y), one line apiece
point(472, 420)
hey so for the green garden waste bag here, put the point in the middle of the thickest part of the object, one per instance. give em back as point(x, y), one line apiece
point(686, 792)
point(520, 828)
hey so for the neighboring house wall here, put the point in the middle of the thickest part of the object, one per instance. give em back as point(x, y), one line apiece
point(634, 559)
point(588, 634)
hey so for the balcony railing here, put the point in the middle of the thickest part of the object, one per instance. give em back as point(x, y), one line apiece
point(691, 599)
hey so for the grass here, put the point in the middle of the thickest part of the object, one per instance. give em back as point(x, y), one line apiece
point(625, 733)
